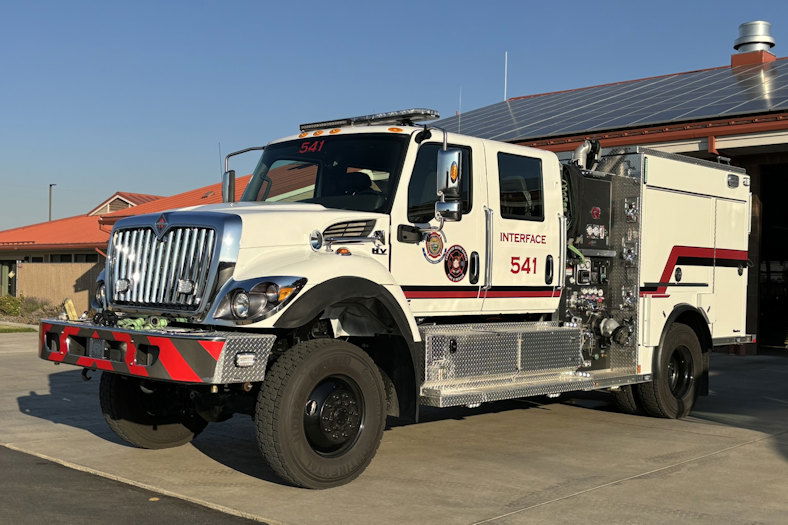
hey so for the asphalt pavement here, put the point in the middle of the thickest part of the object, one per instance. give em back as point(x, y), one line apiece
point(521, 461)
point(40, 491)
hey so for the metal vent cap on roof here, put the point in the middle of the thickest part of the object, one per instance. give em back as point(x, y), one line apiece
point(754, 36)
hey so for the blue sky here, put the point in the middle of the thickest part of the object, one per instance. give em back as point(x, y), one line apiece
point(136, 96)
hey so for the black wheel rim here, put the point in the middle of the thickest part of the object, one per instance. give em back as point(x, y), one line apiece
point(334, 416)
point(679, 372)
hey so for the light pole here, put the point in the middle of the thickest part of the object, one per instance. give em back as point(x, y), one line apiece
point(50, 200)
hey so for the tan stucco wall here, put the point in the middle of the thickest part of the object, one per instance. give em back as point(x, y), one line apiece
point(57, 281)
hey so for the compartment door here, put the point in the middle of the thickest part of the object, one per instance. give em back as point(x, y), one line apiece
point(730, 267)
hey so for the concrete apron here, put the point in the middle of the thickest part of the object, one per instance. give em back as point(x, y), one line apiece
point(512, 461)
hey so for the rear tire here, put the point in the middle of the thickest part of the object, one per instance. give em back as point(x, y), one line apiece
point(320, 413)
point(626, 400)
point(674, 388)
point(147, 416)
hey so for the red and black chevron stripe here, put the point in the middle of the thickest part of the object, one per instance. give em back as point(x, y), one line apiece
point(189, 359)
point(692, 256)
point(475, 292)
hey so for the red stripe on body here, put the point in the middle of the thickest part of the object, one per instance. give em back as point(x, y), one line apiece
point(172, 360)
point(693, 251)
point(63, 346)
point(440, 294)
point(131, 354)
point(45, 327)
point(492, 294)
point(213, 347)
point(736, 255)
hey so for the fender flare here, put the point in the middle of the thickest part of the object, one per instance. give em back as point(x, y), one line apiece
point(315, 300)
point(309, 304)
point(704, 338)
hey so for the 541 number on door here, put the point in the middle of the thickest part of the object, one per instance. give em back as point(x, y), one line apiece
point(523, 265)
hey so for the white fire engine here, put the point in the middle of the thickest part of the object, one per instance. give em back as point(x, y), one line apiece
point(373, 266)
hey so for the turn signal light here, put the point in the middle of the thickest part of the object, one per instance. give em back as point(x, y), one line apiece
point(285, 292)
point(342, 251)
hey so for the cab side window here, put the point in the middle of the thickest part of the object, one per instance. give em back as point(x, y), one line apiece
point(423, 187)
point(520, 180)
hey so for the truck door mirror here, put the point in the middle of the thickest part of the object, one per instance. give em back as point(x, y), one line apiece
point(449, 207)
point(449, 173)
point(448, 210)
point(228, 186)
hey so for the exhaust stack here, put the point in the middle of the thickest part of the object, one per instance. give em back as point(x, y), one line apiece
point(754, 44)
point(754, 36)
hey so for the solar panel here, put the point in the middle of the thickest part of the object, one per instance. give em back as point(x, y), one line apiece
point(674, 98)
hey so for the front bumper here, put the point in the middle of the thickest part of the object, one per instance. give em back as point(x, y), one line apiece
point(172, 354)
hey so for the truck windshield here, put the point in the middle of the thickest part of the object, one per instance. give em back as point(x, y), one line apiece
point(351, 172)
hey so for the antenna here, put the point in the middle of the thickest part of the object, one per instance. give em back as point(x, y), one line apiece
point(50, 200)
point(459, 113)
point(505, 74)
point(221, 166)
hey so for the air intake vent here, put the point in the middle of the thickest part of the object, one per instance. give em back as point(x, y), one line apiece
point(350, 229)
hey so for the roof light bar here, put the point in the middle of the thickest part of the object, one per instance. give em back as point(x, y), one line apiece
point(403, 117)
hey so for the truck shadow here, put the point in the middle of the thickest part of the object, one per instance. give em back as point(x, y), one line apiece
point(746, 392)
point(70, 401)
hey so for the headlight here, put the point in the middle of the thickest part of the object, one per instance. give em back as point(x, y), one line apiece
point(241, 304)
point(250, 301)
point(272, 293)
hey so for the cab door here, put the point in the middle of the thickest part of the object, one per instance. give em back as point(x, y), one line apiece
point(441, 273)
point(525, 222)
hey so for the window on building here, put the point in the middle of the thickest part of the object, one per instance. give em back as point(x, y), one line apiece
point(423, 187)
point(85, 257)
point(520, 180)
point(61, 258)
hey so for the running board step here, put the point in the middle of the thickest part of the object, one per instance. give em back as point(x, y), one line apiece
point(497, 389)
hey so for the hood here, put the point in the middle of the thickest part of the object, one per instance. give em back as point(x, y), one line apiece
point(282, 224)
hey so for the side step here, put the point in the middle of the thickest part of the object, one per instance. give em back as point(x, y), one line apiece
point(474, 363)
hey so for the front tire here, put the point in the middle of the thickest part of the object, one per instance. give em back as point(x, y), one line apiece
point(147, 415)
point(674, 389)
point(320, 413)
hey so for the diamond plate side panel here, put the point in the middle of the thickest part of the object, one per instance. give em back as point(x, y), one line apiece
point(548, 350)
point(483, 355)
point(258, 344)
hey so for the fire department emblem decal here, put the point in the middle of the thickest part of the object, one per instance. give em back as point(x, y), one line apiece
point(456, 263)
point(434, 250)
point(161, 225)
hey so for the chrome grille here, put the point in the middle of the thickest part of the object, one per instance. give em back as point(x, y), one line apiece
point(169, 272)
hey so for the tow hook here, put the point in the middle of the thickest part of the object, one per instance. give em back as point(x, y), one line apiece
point(85, 376)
